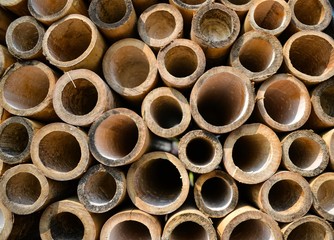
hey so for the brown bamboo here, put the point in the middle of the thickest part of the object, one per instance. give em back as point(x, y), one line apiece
point(19, 7)
point(141, 5)
point(6, 59)
point(6, 222)
point(6, 18)
point(241, 7)
point(328, 137)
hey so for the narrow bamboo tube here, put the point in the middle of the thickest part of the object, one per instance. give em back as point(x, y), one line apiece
point(19, 7)
point(241, 7)
point(130, 69)
point(158, 183)
point(309, 55)
point(166, 112)
point(200, 151)
point(6, 60)
point(214, 104)
point(252, 153)
point(160, 24)
point(16, 135)
point(6, 222)
point(189, 224)
point(26, 89)
point(116, 19)
point(216, 194)
point(81, 96)
point(181, 63)
point(329, 140)
point(49, 11)
point(141, 5)
point(257, 65)
point(309, 227)
point(286, 196)
point(74, 42)
point(247, 222)
point(118, 137)
point(304, 152)
point(131, 224)
point(283, 103)
point(215, 27)
point(24, 38)
point(101, 188)
point(5, 19)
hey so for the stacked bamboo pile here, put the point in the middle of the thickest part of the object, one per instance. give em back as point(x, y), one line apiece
point(167, 120)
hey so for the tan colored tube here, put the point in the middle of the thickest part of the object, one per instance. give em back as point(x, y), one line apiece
point(329, 140)
point(6, 18)
point(101, 188)
point(74, 42)
point(257, 65)
point(213, 101)
point(131, 224)
point(81, 96)
point(308, 55)
point(130, 69)
point(19, 7)
point(216, 194)
point(304, 152)
point(141, 5)
point(6, 59)
point(158, 183)
point(241, 7)
point(283, 103)
point(6, 222)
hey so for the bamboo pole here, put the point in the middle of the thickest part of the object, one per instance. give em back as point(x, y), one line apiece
point(241, 7)
point(6, 18)
point(6, 59)
point(19, 7)
point(328, 137)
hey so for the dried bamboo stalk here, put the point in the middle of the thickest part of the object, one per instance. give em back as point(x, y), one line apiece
point(19, 7)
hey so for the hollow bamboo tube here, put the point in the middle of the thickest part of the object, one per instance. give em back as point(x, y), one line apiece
point(81, 96)
point(222, 99)
point(141, 5)
point(160, 24)
point(247, 222)
point(304, 152)
point(116, 19)
point(6, 222)
point(74, 42)
point(130, 69)
point(6, 60)
point(215, 27)
point(283, 103)
point(131, 224)
point(158, 183)
point(19, 7)
point(118, 137)
point(200, 151)
point(49, 11)
point(241, 7)
point(286, 196)
point(189, 224)
point(257, 65)
point(5, 19)
point(309, 56)
point(181, 63)
point(26, 89)
point(24, 38)
point(252, 153)
point(166, 112)
point(216, 194)
point(309, 227)
point(328, 137)
point(101, 188)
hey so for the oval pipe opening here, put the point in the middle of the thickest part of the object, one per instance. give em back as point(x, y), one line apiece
point(160, 24)
point(14, 139)
point(269, 15)
point(66, 225)
point(200, 151)
point(47, 7)
point(216, 193)
point(260, 230)
point(129, 230)
point(189, 230)
point(313, 17)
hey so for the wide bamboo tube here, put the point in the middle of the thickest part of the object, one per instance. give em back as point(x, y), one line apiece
point(329, 140)
point(131, 224)
point(6, 222)
point(26, 89)
point(252, 153)
point(216, 194)
point(130, 69)
point(286, 196)
point(283, 103)
point(158, 183)
point(81, 96)
point(222, 99)
point(74, 42)
point(19, 7)
point(5, 19)
point(6, 60)
point(257, 65)
point(189, 223)
point(116, 19)
point(241, 7)
point(304, 152)
point(166, 112)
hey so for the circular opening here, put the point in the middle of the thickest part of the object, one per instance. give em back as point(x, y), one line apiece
point(252, 229)
point(26, 87)
point(254, 60)
point(326, 101)
point(69, 39)
point(216, 193)
point(160, 24)
point(221, 99)
point(325, 196)
point(110, 13)
point(216, 25)
point(79, 97)
point(308, 230)
point(251, 153)
point(312, 17)
point(66, 225)
point(181, 61)
point(166, 112)
point(2, 220)
point(189, 230)
point(284, 195)
point(59, 151)
point(116, 137)
point(14, 139)
point(238, 2)
point(47, 7)
point(129, 230)
point(25, 36)
point(269, 15)
point(23, 188)
point(200, 151)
